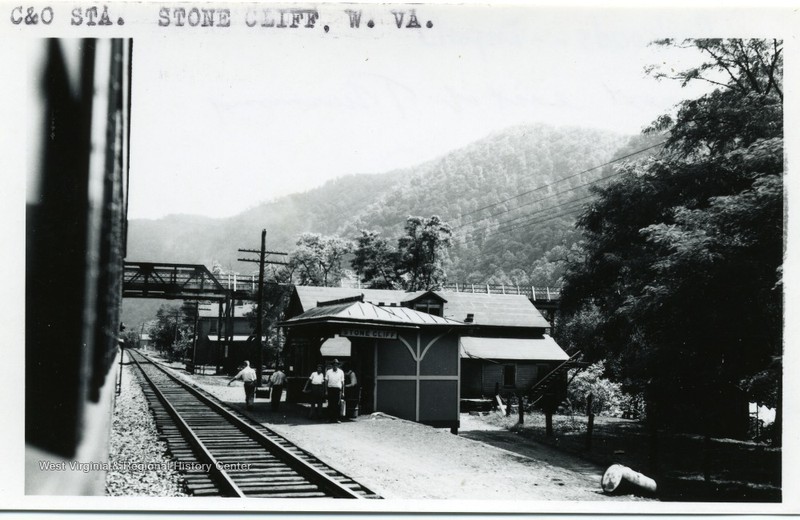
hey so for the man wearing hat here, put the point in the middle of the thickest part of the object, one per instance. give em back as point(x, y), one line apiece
point(334, 379)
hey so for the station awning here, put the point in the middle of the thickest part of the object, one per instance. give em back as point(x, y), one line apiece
point(335, 347)
point(236, 337)
point(527, 349)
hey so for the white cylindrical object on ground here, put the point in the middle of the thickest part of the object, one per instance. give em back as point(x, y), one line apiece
point(622, 479)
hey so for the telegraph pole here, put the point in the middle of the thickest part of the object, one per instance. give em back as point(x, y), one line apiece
point(262, 259)
point(259, 310)
point(194, 339)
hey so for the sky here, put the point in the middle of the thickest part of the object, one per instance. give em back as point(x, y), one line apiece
point(222, 124)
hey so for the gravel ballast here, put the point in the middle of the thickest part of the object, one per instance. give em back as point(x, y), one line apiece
point(139, 463)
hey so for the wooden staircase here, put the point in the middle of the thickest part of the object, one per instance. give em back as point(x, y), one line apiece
point(540, 388)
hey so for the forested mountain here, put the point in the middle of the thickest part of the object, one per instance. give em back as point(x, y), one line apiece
point(524, 177)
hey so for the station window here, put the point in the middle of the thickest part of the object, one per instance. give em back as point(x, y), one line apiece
point(510, 375)
point(433, 308)
point(213, 326)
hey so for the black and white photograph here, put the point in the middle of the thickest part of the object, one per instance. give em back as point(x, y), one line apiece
point(399, 257)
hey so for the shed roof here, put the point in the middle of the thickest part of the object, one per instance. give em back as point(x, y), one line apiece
point(528, 349)
point(364, 312)
point(508, 310)
point(212, 311)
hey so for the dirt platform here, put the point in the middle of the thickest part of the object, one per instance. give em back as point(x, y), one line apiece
point(401, 459)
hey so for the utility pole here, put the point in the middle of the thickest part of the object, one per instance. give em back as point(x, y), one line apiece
point(121, 343)
point(177, 315)
point(262, 259)
point(194, 338)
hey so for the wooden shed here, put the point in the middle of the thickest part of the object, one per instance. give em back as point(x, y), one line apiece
point(213, 348)
point(507, 365)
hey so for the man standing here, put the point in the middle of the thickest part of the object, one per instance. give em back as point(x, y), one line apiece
point(334, 378)
point(277, 381)
point(248, 376)
point(352, 394)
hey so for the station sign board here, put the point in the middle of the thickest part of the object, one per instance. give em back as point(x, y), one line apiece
point(369, 333)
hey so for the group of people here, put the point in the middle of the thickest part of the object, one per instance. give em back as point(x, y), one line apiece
point(330, 385)
point(277, 381)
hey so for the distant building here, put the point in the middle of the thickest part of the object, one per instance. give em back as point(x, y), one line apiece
point(212, 347)
point(145, 341)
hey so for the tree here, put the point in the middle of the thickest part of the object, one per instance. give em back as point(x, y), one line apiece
point(376, 262)
point(746, 65)
point(317, 259)
point(683, 250)
point(274, 304)
point(423, 252)
point(131, 338)
point(549, 269)
point(166, 332)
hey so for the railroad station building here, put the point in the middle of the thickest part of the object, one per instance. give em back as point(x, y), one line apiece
point(407, 361)
point(418, 354)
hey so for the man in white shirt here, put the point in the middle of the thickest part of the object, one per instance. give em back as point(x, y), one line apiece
point(276, 382)
point(334, 379)
point(248, 376)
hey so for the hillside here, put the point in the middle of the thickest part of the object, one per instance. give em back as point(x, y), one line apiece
point(456, 187)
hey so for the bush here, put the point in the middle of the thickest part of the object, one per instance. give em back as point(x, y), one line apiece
point(633, 406)
point(609, 398)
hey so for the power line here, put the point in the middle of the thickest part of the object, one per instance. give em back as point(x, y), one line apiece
point(569, 212)
point(527, 215)
point(500, 228)
point(542, 199)
point(370, 196)
point(520, 225)
point(560, 180)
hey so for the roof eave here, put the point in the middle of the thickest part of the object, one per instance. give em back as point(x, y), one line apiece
point(344, 321)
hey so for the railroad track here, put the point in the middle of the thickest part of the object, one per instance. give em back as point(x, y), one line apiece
point(221, 452)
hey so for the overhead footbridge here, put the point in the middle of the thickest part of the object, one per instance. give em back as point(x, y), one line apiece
point(172, 282)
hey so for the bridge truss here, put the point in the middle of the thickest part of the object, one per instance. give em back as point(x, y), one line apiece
point(189, 282)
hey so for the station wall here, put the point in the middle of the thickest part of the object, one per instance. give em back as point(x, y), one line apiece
point(417, 377)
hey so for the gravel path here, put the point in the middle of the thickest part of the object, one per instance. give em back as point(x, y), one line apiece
point(400, 459)
point(140, 466)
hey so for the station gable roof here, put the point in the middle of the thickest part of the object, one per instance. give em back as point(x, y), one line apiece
point(365, 312)
point(310, 296)
point(506, 310)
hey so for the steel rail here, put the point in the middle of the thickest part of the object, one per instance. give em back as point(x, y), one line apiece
point(327, 484)
point(227, 486)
